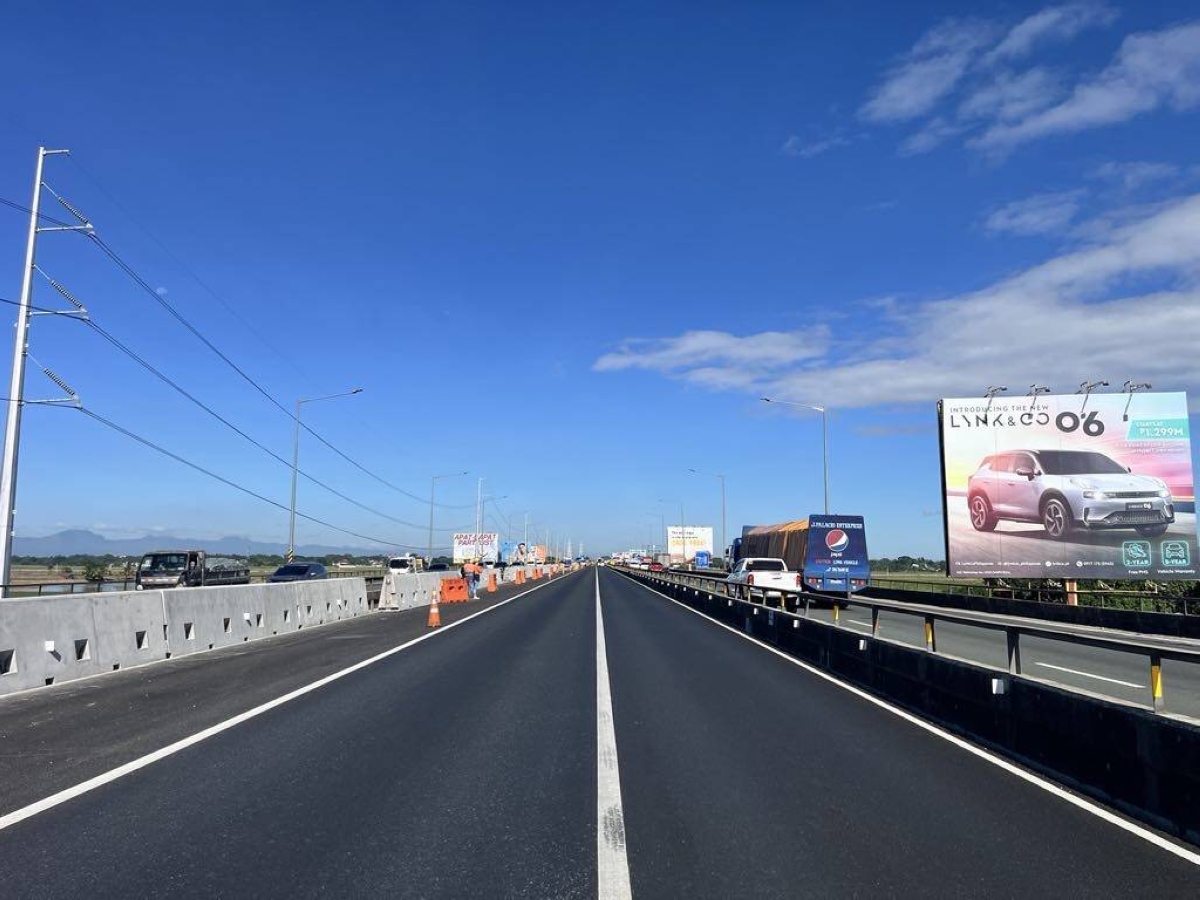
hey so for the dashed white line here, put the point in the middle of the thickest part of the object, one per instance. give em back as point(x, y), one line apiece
point(1128, 684)
point(1049, 787)
point(612, 859)
point(40, 806)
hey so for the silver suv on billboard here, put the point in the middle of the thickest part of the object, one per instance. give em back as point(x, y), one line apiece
point(1065, 490)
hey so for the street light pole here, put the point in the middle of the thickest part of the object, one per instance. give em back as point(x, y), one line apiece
point(824, 436)
point(724, 545)
point(433, 481)
point(291, 551)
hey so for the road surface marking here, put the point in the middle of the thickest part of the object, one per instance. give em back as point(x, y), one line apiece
point(1129, 684)
point(612, 871)
point(1050, 787)
point(40, 806)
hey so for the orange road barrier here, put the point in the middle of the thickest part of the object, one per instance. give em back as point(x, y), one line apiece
point(491, 588)
point(435, 615)
point(454, 590)
point(520, 576)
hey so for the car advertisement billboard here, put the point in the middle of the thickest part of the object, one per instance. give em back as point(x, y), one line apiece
point(518, 553)
point(835, 557)
point(476, 545)
point(1069, 486)
point(685, 541)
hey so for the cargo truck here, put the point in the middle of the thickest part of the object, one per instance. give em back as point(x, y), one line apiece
point(188, 568)
point(828, 551)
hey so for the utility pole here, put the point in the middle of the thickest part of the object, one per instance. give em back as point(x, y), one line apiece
point(291, 551)
point(16, 390)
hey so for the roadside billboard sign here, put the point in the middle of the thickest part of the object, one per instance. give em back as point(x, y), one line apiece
point(685, 541)
point(1069, 486)
point(472, 545)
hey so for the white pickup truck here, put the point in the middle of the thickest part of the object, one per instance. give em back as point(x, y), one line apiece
point(757, 578)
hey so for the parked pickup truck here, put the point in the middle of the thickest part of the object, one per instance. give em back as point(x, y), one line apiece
point(757, 577)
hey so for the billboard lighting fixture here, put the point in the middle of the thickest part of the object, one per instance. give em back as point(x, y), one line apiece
point(1132, 388)
point(992, 391)
point(1086, 388)
point(1035, 389)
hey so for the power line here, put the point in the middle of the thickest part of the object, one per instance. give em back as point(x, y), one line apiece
point(146, 442)
point(178, 316)
point(162, 301)
point(161, 376)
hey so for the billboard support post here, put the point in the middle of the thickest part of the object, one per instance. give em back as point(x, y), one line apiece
point(1072, 590)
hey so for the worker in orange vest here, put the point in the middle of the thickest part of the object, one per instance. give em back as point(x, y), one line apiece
point(471, 571)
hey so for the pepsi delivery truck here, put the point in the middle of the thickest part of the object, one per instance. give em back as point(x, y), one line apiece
point(829, 551)
point(835, 555)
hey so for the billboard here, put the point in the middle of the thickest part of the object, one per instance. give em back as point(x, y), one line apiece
point(1069, 486)
point(688, 539)
point(518, 553)
point(471, 545)
point(835, 557)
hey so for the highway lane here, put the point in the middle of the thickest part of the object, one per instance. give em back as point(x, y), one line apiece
point(466, 766)
point(1122, 676)
point(463, 766)
point(54, 737)
point(745, 775)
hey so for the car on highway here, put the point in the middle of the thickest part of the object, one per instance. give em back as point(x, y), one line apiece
point(1065, 490)
point(759, 577)
point(298, 571)
point(657, 566)
point(438, 567)
point(405, 565)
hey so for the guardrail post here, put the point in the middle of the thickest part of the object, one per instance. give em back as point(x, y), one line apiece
point(1012, 638)
point(837, 618)
point(875, 621)
point(1156, 683)
point(807, 604)
point(930, 635)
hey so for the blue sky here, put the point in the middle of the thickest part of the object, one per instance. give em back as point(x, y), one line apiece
point(567, 247)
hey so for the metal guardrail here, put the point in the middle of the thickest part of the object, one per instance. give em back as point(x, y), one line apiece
point(1103, 598)
point(1014, 630)
point(372, 576)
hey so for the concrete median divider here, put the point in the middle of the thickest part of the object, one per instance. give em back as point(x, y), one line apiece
point(53, 639)
point(1145, 764)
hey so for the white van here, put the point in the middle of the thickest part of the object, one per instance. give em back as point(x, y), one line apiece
point(405, 565)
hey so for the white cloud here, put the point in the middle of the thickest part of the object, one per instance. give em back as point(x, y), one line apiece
point(1133, 175)
point(1150, 70)
point(797, 146)
point(935, 133)
point(1055, 323)
point(704, 354)
point(1010, 97)
point(1040, 214)
point(929, 71)
point(1054, 23)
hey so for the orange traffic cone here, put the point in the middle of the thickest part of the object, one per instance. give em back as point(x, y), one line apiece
point(435, 615)
point(491, 583)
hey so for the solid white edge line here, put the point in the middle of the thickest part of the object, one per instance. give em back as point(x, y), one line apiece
point(1050, 787)
point(1128, 684)
point(40, 806)
point(612, 860)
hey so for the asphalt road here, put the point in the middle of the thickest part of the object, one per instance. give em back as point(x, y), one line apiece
point(466, 765)
point(1107, 673)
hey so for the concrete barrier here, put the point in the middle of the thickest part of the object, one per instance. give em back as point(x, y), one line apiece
point(52, 639)
point(404, 591)
point(1139, 762)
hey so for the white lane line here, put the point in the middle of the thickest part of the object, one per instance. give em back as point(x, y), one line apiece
point(1129, 684)
point(1050, 787)
point(612, 871)
point(40, 806)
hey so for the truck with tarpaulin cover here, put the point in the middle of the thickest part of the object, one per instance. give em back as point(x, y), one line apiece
point(828, 551)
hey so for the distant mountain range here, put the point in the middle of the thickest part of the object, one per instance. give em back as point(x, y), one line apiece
point(80, 541)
